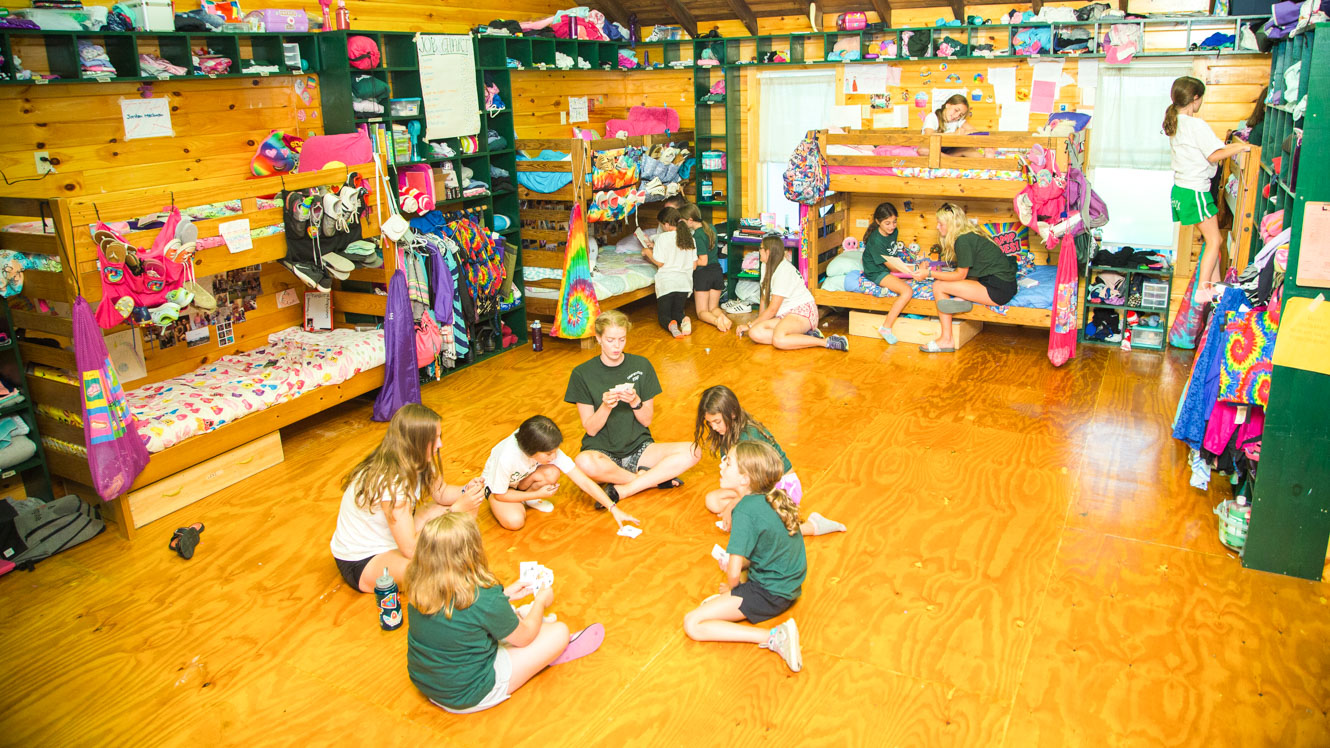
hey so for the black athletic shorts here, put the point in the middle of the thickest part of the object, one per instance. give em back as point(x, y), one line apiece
point(757, 604)
point(351, 570)
point(708, 278)
point(1000, 291)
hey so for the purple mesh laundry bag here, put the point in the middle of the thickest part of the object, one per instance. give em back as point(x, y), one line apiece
point(401, 379)
point(116, 453)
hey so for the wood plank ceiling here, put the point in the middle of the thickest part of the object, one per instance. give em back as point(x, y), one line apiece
point(695, 15)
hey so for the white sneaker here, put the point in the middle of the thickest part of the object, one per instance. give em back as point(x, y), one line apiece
point(734, 306)
point(540, 505)
point(784, 641)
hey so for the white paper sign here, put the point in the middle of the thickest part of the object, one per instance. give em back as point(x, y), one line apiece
point(448, 85)
point(1004, 83)
point(869, 79)
point(1015, 116)
point(850, 117)
point(146, 118)
point(236, 235)
point(287, 297)
point(577, 109)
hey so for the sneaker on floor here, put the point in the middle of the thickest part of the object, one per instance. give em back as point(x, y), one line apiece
point(734, 306)
point(813, 332)
point(784, 641)
point(838, 343)
point(686, 327)
point(540, 505)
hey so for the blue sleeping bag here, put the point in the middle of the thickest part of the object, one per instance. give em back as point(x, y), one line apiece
point(544, 181)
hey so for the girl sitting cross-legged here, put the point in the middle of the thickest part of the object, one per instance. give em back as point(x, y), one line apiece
point(788, 318)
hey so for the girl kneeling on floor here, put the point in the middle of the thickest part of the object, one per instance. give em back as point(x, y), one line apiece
point(721, 424)
point(378, 520)
point(674, 254)
point(765, 539)
point(788, 319)
point(708, 278)
point(467, 649)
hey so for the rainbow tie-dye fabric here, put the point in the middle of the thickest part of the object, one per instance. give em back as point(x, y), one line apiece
point(578, 308)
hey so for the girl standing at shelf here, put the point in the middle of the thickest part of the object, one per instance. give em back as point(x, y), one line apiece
point(708, 278)
point(1197, 152)
point(788, 319)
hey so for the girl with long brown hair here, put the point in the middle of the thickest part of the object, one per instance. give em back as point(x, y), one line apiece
point(721, 424)
point(467, 649)
point(1197, 152)
point(788, 316)
point(674, 254)
point(708, 278)
point(765, 540)
point(378, 520)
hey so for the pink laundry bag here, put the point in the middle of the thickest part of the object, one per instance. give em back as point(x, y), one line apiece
point(116, 453)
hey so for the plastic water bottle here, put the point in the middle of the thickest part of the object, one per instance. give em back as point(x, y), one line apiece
point(537, 341)
point(390, 604)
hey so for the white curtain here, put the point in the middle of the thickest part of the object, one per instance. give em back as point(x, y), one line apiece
point(791, 104)
point(1127, 132)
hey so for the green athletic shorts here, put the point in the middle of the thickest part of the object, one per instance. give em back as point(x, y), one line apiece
point(1191, 207)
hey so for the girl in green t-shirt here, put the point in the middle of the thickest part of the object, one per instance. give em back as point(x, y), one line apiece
point(765, 540)
point(708, 278)
point(723, 423)
point(467, 648)
point(883, 255)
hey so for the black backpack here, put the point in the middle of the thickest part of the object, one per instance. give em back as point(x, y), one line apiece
point(31, 535)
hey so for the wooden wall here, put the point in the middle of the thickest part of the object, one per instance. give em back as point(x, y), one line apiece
point(448, 16)
point(541, 98)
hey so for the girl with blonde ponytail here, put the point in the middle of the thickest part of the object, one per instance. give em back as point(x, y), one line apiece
point(1197, 152)
point(765, 539)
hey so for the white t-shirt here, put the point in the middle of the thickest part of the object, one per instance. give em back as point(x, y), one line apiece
point(931, 123)
point(508, 465)
point(676, 270)
point(790, 286)
point(363, 533)
point(1192, 145)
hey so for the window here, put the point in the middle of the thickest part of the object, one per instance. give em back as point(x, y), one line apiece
point(1130, 161)
point(791, 104)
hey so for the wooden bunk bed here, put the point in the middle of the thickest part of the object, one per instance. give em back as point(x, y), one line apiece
point(917, 184)
point(207, 462)
point(544, 215)
point(1237, 207)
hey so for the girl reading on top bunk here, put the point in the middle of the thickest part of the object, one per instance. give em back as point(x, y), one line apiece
point(378, 522)
point(952, 118)
point(708, 278)
point(1197, 152)
point(983, 274)
point(788, 318)
point(723, 423)
point(673, 252)
point(883, 255)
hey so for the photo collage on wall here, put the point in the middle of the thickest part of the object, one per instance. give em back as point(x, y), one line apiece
point(236, 292)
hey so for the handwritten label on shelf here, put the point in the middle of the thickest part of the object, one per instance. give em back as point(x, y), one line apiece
point(1314, 249)
point(163, 76)
point(41, 81)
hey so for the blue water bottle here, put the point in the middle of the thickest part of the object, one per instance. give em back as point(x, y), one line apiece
point(390, 605)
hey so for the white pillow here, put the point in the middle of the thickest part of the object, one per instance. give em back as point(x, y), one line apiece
point(834, 283)
point(844, 262)
point(630, 244)
point(592, 251)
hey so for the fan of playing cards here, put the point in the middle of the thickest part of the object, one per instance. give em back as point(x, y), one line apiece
point(536, 576)
point(623, 389)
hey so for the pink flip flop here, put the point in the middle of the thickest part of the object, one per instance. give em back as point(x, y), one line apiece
point(582, 643)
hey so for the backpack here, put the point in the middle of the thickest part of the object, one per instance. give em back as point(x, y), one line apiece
point(852, 21)
point(47, 529)
point(806, 178)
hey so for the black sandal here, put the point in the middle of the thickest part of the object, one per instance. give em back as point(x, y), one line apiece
point(185, 539)
point(671, 483)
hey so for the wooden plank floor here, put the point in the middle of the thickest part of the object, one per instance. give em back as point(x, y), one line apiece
point(1026, 566)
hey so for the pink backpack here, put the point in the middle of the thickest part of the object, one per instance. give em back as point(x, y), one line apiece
point(852, 21)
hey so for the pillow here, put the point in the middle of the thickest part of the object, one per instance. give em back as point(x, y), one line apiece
point(630, 243)
point(849, 150)
point(592, 251)
point(834, 283)
point(845, 262)
point(895, 150)
point(1014, 240)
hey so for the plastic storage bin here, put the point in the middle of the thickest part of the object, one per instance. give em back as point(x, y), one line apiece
point(1147, 336)
point(404, 107)
point(713, 160)
point(1154, 293)
point(152, 15)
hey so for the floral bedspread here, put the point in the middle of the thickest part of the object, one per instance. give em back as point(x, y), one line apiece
point(293, 362)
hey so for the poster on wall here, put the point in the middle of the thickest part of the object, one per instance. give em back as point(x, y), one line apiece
point(448, 85)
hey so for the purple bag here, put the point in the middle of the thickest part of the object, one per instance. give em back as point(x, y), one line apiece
point(401, 379)
point(443, 289)
point(116, 453)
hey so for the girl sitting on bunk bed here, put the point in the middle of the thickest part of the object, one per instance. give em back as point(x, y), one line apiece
point(788, 318)
point(952, 118)
point(983, 274)
point(884, 255)
point(378, 523)
point(673, 252)
point(708, 278)
point(723, 423)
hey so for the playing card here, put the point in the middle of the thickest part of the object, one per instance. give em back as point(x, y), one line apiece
point(628, 531)
point(719, 553)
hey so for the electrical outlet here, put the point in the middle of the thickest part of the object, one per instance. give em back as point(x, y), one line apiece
point(861, 223)
point(43, 161)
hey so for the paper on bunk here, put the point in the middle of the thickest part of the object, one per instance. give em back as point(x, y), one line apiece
point(1004, 83)
point(1014, 117)
point(849, 117)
